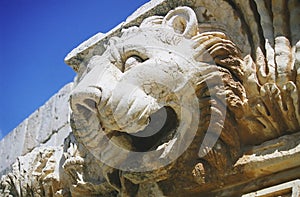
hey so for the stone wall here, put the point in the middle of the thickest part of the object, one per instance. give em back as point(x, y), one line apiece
point(47, 126)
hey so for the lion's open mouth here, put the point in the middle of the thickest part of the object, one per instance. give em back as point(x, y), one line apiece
point(161, 129)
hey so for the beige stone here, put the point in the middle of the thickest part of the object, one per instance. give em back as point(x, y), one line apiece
point(286, 189)
point(185, 98)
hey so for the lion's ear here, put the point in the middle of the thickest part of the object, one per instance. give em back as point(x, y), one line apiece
point(183, 20)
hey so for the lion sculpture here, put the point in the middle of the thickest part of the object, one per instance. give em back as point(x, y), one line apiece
point(179, 105)
point(208, 101)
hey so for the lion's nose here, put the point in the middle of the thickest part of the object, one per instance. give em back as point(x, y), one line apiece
point(85, 101)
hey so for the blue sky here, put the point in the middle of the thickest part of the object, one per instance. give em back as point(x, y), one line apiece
point(35, 36)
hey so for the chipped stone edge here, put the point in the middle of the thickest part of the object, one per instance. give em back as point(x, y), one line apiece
point(91, 42)
point(79, 56)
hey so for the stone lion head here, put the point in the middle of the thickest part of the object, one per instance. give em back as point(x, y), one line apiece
point(166, 96)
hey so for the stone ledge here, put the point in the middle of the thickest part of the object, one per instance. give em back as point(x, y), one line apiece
point(273, 162)
point(95, 45)
point(291, 188)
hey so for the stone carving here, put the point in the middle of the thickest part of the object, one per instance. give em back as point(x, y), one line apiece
point(185, 103)
point(202, 82)
point(33, 175)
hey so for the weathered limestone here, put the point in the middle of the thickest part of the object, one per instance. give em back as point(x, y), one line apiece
point(48, 125)
point(291, 188)
point(185, 98)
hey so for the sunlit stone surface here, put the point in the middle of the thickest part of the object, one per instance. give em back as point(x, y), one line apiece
point(185, 98)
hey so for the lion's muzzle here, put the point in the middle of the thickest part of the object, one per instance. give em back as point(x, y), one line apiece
point(118, 104)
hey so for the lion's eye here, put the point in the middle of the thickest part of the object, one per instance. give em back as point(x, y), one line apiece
point(132, 61)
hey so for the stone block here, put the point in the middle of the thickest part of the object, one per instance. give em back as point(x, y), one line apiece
point(50, 119)
point(12, 145)
point(57, 139)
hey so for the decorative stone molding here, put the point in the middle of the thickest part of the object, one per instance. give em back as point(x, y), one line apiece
point(291, 188)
